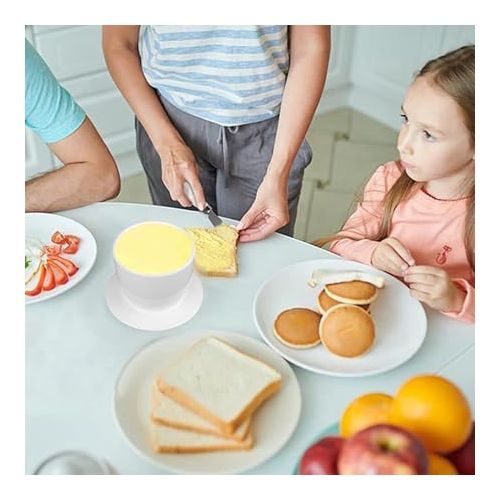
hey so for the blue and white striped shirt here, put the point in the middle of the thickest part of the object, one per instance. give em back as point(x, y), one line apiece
point(230, 75)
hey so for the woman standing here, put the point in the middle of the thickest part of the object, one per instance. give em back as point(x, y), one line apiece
point(225, 108)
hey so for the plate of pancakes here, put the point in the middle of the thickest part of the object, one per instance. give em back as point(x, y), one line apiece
point(338, 317)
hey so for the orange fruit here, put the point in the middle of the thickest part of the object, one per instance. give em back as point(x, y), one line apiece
point(363, 412)
point(435, 410)
point(439, 465)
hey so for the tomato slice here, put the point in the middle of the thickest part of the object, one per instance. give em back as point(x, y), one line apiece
point(52, 249)
point(39, 284)
point(66, 264)
point(49, 282)
point(71, 238)
point(71, 248)
point(73, 242)
point(60, 275)
point(58, 238)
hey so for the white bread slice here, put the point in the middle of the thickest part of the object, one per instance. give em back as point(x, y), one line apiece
point(329, 276)
point(165, 439)
point(219, 383)
point(166, 411)
point(216, 250)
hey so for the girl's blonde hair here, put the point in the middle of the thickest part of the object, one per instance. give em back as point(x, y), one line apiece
point(454, 73)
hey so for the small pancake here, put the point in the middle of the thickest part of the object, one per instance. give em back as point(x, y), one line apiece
point(298, 327)
point(325, 302)
point(347, 330)
point(352, 292)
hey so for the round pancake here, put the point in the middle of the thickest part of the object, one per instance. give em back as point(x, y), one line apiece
point(347, 330)
point(298, 327)
point(352, 292)
point(325, 302)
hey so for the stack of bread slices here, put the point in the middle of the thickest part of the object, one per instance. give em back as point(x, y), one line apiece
point(205, 400)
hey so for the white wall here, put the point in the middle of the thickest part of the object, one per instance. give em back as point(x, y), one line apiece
point(369, 70)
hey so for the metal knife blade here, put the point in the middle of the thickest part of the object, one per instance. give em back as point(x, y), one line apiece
point(212, 216)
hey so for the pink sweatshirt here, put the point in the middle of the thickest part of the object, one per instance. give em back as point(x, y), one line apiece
point(431, 229)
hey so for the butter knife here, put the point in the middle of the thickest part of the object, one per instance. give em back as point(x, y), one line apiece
point(207, 209)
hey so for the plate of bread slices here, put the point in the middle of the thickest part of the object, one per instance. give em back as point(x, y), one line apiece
point(210, 402)
point(338, 317)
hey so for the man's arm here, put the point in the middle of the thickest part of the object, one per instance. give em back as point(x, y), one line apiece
point(309, 56)
point(89, 174)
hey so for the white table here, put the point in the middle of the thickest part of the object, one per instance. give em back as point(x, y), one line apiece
point(75, 348)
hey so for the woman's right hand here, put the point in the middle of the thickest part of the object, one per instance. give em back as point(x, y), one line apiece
point(392, 256)
point(178, 164)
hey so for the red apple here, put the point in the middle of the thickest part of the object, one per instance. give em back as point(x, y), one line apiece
point(321, 457)
point(383, 449)
point(464, 459)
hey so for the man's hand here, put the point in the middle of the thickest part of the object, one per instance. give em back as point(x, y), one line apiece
point(178, 164)
point(433, 286)
point(392, 256)
point(268, 213)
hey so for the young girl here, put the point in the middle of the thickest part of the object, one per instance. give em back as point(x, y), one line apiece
point(416, 218)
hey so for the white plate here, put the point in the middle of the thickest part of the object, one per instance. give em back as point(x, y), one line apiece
point(42, 226)
point(400, 320)
point(272, 425)
point(141, 318)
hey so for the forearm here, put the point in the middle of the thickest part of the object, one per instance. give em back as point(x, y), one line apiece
point(71, 186)
point(304, 85)
point(467, 310)
point(124, 65)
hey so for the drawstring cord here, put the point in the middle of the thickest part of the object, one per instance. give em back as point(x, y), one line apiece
point(222, 139)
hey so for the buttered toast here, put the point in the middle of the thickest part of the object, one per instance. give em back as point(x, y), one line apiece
point(216, 250)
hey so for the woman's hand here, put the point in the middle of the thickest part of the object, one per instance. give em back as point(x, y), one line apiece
point(433, 286)
point(178, 164)
point(268, 213)
point(392, 256)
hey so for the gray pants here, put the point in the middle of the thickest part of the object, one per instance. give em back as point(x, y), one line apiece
point(232, 162)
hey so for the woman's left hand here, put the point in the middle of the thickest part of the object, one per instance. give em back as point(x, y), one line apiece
point(268, 213)
point(433, 286)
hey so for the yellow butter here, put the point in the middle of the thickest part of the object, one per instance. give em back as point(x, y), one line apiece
point(153, 248)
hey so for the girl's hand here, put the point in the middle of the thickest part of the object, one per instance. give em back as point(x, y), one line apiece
point(268, 213)
point(177, 165)
point(433, 286)
point(392, 256)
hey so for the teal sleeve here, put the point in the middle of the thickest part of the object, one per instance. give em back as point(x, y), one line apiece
point(49, 108)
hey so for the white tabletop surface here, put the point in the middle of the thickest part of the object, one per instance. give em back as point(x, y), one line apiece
point(75, 348)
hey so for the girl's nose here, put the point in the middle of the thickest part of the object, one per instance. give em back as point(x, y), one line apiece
point(404, 143)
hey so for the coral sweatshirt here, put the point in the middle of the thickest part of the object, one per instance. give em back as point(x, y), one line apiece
point(431, 229)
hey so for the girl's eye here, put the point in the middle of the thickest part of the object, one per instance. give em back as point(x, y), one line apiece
point(428, 137)
point(404, 118)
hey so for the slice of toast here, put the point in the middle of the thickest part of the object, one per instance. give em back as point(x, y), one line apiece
point(166, 411)
point(165, 439)
point(219, 383)
point(216, 250)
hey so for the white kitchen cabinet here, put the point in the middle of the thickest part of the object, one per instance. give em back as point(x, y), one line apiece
point(386, 58)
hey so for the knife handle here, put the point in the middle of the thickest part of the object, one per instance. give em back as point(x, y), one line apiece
point(188, 191)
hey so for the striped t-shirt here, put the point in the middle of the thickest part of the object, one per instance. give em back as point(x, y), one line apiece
point(230, 75)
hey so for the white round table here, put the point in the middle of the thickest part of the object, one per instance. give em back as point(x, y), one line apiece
point(75, 348)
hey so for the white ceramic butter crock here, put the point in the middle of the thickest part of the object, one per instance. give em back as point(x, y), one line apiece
point(154, 291)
